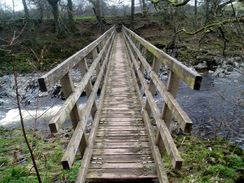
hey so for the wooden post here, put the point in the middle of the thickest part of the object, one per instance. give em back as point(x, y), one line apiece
point(172, 87)
point(173, 84)
point(68, 88)
point(156, 68)
point(84, 67)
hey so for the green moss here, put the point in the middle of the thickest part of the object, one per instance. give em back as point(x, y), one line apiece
point(213, 160)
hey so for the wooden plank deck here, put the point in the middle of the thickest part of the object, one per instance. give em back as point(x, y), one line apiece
point(121, 149)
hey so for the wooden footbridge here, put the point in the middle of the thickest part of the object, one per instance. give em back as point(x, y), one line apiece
point(130, 133)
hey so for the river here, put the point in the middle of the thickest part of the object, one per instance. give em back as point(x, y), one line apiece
point(217, 109)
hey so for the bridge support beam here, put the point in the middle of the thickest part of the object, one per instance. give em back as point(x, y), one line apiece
point(172, 87)
point(75, 115)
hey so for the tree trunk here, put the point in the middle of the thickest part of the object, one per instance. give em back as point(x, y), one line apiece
point(98, 9)
point(26, 10)
point(207, 11)
point(13, 3)
point(55, 11)
point(41, 10)
point(132, 14)
point(144, 7)
point(70, 15)
point(195, 9)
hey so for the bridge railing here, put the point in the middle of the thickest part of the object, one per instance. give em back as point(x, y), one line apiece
point(137, 48)
point(100, 50)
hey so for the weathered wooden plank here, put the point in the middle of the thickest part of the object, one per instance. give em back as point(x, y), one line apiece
point(156, 68)
point(123, 158)
point(95, 165)
point(69, 103)
point(68, 88)
point(173, 84)
point(105, 135)
point(142, 139)
point(164, 132)
point(178, 113)
point(118, 174)
point(134, 150)
point(69, 155)
point(120, 125)
point(54, 75)
point(75, 116)
point(190, 77)
point(123, 145)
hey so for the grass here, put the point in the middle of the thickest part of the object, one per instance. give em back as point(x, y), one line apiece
point(205, 161)
point(15, 161)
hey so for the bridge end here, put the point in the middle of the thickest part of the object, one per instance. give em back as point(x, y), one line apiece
point(42, 84)
point(53, 127)
point(177, 164)
point(65, 164)
point(198, 82)
point(188, 128)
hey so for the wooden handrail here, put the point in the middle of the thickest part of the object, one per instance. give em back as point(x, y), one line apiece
point(162, 176)
point(60, 117)
point(163, 130)
point(179, 114)
point(190, 77)
point(72, 148)
point(54, 75)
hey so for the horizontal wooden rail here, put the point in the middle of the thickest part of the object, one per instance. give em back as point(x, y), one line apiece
point(60, 117)
point(163, 130)
point(177, 112)
point(190, 77)
point(72, 148)
point(162, 176)
point(54, 75)
point(81, 177)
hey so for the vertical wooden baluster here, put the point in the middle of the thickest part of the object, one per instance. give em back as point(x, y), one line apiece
point(172, 87)
point(94, 56)
point(152, 88)
point(156, 68)
point(88, 86)
point(68, 88)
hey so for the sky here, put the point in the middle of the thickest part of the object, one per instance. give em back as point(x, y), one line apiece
point(19, 6)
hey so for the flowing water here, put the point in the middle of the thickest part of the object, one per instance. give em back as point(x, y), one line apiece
point(217, 109)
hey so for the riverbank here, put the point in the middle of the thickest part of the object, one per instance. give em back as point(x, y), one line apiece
point(216, 160)
point(216, 110)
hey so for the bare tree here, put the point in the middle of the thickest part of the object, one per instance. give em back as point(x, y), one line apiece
point(144, 6)
point(132, 14)
point(97, 11)
point(195, 8)
point(70, 15)
point(13, 4)
point(40, 5)
point(55, 11)
point(26, 10)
